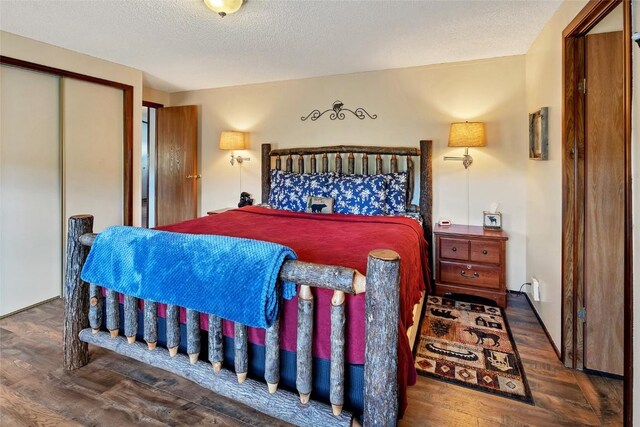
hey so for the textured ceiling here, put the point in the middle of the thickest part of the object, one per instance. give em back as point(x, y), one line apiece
point(182, 45)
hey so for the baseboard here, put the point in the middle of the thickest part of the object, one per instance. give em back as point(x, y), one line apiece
point(544, 328)
point(603, 374)
point(20, 310)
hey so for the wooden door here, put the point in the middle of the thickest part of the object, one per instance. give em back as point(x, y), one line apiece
point(30, 189)
point(604, 204)
point(176, 167)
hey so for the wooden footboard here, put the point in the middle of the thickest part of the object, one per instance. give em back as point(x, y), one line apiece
point(84, 317)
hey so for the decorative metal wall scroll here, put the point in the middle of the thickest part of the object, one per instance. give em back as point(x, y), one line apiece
point(337, 112)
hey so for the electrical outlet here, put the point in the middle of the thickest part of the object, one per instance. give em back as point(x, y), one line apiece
point(535, 286)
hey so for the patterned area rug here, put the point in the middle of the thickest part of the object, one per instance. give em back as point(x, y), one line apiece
point(470, 345)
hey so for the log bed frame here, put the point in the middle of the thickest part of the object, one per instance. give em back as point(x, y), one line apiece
point(83, 314)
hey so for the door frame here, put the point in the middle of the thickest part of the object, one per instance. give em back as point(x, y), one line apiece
point(127, 108)
point(573, 184)
point(156, 106)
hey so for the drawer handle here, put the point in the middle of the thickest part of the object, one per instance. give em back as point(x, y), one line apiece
point(484, 252)
point(463, 273)
point(454, 249)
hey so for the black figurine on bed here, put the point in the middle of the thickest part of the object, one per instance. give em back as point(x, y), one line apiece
point(245, 200)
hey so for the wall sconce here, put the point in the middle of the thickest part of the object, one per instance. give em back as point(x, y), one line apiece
point(231, 140)
point(466, 134)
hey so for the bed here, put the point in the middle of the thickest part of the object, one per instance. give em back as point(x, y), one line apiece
point(340, 332)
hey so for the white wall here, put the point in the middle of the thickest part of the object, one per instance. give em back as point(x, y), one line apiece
point(26, 49)
point(544, 178)
point(411, 104)
point(154, 95)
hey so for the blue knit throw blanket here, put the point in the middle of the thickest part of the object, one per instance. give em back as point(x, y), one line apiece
point(233, 278)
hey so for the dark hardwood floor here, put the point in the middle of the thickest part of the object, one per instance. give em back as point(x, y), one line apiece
point(116, 391)
point(562, 396)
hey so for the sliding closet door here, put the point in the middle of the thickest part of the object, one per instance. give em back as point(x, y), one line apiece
point(30, 187)
point(93, 121)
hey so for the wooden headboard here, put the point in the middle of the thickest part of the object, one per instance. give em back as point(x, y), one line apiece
point(308, 157)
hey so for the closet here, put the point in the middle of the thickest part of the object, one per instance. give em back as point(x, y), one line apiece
point(30, 189)
point(93, 155)
point(61, 153)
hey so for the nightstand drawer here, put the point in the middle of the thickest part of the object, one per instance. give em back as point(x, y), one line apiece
point(470, 274)
point(454, 248)
point(485, 251)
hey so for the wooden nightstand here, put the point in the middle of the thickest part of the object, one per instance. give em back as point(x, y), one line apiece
point(217, 211)
point(471, 260)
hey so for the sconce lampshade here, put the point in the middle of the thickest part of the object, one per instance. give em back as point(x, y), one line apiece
point(467, 134)
point(231, 140)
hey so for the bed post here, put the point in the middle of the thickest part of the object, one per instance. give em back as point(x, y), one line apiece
point(266, 172)
point(76, 294)
point(426, 195)
point(381, 348)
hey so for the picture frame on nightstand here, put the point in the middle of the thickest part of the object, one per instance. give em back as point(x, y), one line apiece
point(491, 220)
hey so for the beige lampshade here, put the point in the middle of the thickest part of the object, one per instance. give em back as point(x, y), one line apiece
point(231, 140)
point(467, 134)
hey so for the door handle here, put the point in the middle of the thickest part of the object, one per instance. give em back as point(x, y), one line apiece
point(463, 273)
point(198, 176)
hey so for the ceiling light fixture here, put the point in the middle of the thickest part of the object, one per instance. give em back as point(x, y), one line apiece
point(224, 7)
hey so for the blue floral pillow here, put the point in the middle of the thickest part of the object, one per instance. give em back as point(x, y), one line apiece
point(396, 199)
point(289, 191)
point(358, 194)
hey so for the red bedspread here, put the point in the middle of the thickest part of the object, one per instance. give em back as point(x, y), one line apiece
point(343, 240)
